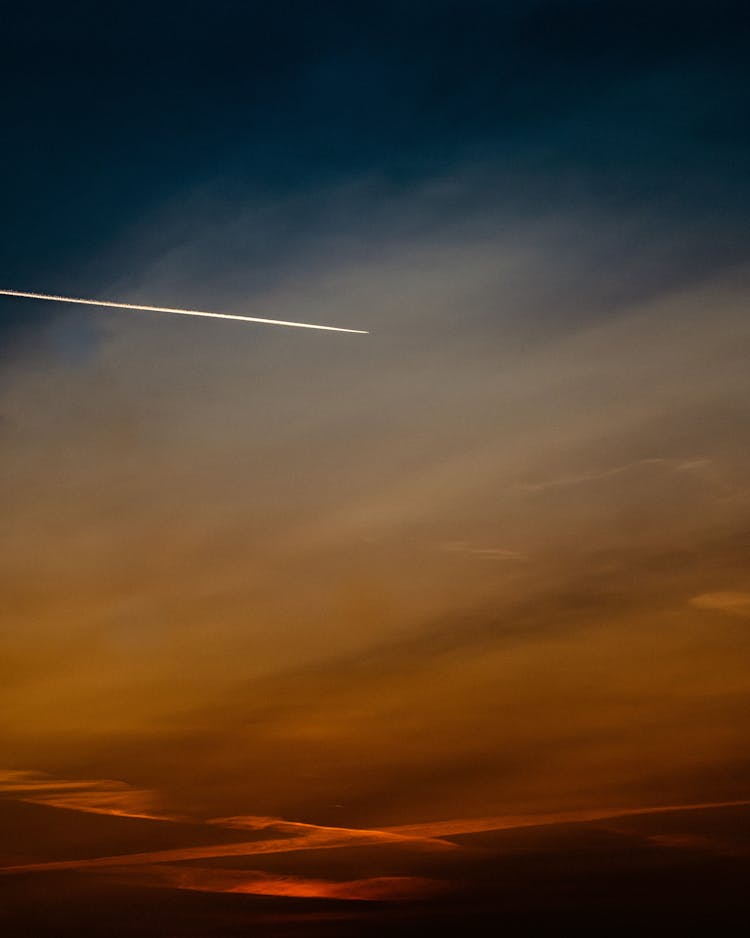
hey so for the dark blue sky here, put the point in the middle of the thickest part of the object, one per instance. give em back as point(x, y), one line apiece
point(112, 111)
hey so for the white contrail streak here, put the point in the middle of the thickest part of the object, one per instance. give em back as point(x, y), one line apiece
point(180, 312)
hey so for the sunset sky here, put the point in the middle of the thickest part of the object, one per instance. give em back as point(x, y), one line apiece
point(438, 627)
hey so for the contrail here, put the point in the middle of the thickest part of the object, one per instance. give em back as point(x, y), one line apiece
point(179, 312)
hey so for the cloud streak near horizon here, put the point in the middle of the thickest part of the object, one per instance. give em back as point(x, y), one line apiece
point(97, 796)
point(297, 838)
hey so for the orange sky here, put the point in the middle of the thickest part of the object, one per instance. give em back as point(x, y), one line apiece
point(376, 586)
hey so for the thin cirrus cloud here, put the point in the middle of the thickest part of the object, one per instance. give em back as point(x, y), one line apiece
point(298, 837)
point(479, 825)
point(258, 883)
point(179, 869)
point(483, 552)
point(731, 603)
point(316, 838)
point(669, 465)
point(94, 796)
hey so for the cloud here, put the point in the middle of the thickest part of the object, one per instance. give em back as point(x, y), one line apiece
point(93, 796)
point(314, 838)
point(732, 603)
point(672, 465)
point(429, 834)
point(483, 553)
point(460, 826)
point(254, 882)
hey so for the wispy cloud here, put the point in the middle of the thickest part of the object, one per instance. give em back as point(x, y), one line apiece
point(258, 883)
point(94, 796)
point(315, 839)
point(312, 836)
point(483, 552)
point(430, 834)
point(596, 475)
point(732, 603)
point(513, 822)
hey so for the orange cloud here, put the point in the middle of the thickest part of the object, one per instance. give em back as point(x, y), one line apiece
point(94, 796)
point(513, 822)
point(736, 604)
point(313, 836)
point(255, 882)
point(316, 838)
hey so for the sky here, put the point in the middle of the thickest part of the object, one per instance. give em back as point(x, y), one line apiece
point(442, 626)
